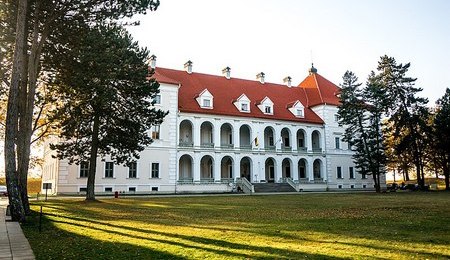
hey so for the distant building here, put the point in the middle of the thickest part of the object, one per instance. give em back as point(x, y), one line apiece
point(222, 129)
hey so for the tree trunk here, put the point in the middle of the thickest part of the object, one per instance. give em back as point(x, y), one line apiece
point(12, 115)
point(376, 180)
point(446, 170)
point(90, 190)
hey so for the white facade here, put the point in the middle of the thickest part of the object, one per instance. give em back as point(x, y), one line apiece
point(198, 152)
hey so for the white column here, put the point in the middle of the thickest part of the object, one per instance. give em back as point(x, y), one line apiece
point(217, 169)
point(196, 162)
point(294, 170)
point(308, 139)
point(322, 140)
point(216, 132)
point(236, 167)
point(278, 170)
point(236, 136)
point(277, 138)
point(196, 132)
point(258, 169)
point(310, 168)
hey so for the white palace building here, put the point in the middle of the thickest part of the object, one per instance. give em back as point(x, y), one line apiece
point(225, 134)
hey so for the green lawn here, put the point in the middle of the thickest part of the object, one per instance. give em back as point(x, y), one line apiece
point(395, 225)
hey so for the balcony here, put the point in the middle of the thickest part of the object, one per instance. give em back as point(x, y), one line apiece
point(301, 149)
point(270, 148)
point(246, 147)
point(186, 144)
point(317, 150)
point(207, 145)
point(286, 148)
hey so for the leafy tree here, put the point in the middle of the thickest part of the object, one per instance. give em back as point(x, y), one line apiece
point(442, 130)
point(407, 112)
point(360, 112)
point(31, 23)
point(105, 92)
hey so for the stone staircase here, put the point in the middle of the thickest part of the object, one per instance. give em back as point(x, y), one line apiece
point(273, 187)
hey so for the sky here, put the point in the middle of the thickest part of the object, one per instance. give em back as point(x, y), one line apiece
point(282, 38)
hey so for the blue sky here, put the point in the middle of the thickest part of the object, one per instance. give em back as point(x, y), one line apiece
point(282, 37)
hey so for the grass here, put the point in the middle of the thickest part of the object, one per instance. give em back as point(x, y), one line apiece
point(395, 225)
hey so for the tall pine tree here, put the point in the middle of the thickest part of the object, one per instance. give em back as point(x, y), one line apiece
point(442, 130)
point(406, 111)
point(102, 81)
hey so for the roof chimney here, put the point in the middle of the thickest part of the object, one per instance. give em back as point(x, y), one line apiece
point(227, 72)
point(260, 77)
point(288, 81)
point(153, 61)
point(188, 66)
point(312, 70)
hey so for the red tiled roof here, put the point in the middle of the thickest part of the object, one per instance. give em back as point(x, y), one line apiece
point(226, 91)
point(319, 90)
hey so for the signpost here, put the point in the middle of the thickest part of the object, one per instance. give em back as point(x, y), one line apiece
point(46, 186)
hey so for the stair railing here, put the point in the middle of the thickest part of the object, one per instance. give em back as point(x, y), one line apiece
point(245, 185)
point(294, 185)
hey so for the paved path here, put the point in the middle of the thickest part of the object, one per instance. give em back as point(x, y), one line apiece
point(13, 244)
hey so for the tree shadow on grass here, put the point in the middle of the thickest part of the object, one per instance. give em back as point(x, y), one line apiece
point(55, 243)
point(223, 248)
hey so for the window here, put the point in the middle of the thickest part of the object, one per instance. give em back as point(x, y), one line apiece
point(155, 170)
point(109, 169)
point(349, 147)
point(339, 186)
point(84, 169)
point(364, 186)
point(108, 189)
point(83, 189)
point(299, 112)
point(351, 173)
point(352, 186)
point(154, 188)
point(337, 142)
point(131, 189)
point(132, 170)
point(244, 107)
point(206, 102)
point(339, 172)
point(155, 131)
point(268, 110)
point(336, 118)
point(157, 99)
point(363, 176)
point(271, 141)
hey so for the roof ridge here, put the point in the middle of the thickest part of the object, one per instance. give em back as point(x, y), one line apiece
point(318, 88)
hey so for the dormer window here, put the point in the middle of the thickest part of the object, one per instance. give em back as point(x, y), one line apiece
point(244, 107)
point(266, 106)
point(242, 104)
point(205, 99)
point(297, 109)
point(206, 102)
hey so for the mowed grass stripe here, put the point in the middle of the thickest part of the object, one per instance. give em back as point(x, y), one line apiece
point(359, 225)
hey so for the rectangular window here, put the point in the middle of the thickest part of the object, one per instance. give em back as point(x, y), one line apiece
point(155, 131)
point(109, 170)
point(155, 170)
point(339, 186)
point(132, 170)
point(108, 189)
point(363, 176)
point(131, 189)
point(349, 147)
point(336, 118)
point(337, 142)
point(244, 107)
point(154, 188)
point(206, 103)
point(157, 99)
point(83, 189)
point(339, 172)
point(271, 140)
point(84, 169)
point(300, 112)
point(268, 110)
point(351, 172)
point(352, 186)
